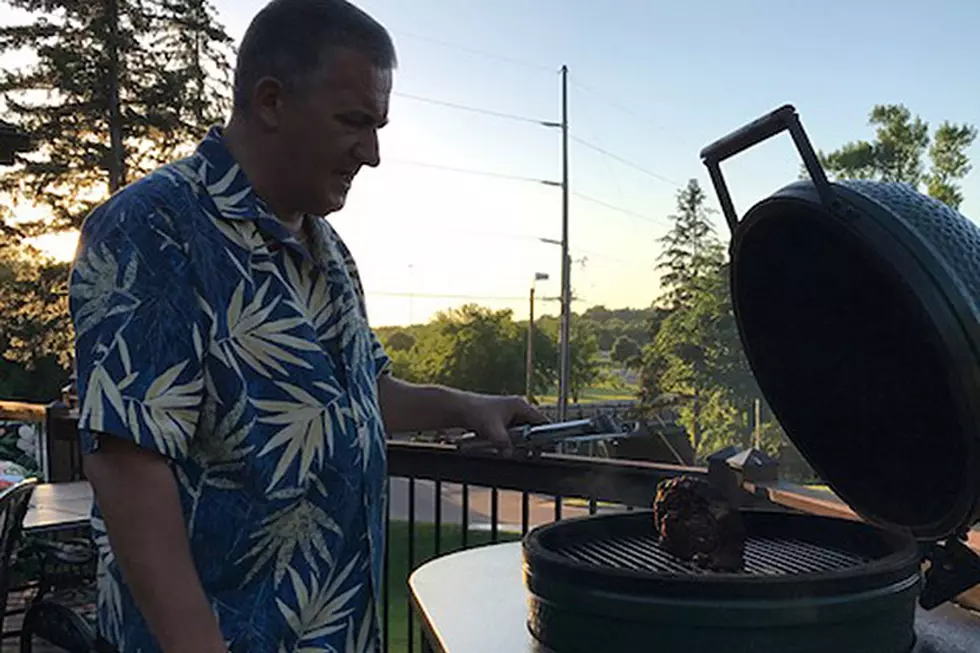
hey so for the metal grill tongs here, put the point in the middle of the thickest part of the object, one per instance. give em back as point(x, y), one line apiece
point(534, 439)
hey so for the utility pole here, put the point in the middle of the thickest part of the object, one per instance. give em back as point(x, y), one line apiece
point(566, 294)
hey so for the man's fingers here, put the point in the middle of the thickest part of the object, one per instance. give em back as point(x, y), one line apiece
point(500, 439)
point(525, 413)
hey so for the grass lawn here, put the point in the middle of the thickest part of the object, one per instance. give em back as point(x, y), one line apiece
point(424, 549)
point(819, 487)
point(576, 502)
point(595, 394)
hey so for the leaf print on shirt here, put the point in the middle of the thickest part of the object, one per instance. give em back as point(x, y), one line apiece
point(307, 426)
point(310, 295)
point(168, 411)
point(245, 237)
point(362, 642)
point(226, 198)
point(220, 450)
point(321, 610)
point(109, 597)
point(299, 527)
point(259, 342)
point(344, 322)
point(101, 392)
point(96, 287)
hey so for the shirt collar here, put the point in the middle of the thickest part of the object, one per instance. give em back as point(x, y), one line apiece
point(226, 182)
point(233, 194)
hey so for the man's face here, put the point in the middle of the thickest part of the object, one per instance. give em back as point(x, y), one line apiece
point(328, 130)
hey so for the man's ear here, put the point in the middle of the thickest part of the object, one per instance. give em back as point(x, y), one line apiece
point(267, 103)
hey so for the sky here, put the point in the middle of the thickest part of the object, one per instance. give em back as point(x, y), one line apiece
point(650, 84)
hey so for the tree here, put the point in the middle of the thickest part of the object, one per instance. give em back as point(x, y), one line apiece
point(606, 338)
point(694, 362)
point(400, 341)
point(115, 89)
point(473, 348)
point(193, 71)
point(583, 369)
point(896, 153)
point(690, 249)
point(35, 330)
point(624, 350)
point(696, 357)
point(949, 162)
point(583, 350)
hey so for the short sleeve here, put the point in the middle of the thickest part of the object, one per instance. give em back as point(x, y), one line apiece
point(139, 329)
point(382, 362)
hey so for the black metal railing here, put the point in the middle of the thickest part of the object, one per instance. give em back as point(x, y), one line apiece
point(442, 500)
point(514, 494)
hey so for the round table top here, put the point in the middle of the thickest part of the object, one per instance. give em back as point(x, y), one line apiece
point(474, 601)
point(57, 506)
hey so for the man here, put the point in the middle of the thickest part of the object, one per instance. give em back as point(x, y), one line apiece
point(233, 400)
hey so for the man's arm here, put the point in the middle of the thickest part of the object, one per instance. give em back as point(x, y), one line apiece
point(409, 407)
point(139, 350)
point(137, 496)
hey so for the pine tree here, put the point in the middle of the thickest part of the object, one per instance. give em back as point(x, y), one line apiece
point(691, 251)
point(193, 52)
point(116, 88)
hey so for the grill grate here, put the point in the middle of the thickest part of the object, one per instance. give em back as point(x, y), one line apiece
point(764, 556)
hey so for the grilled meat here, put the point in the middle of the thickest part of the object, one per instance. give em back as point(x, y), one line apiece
point(697, 524)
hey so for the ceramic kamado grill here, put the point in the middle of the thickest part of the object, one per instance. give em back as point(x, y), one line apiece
point(857, 306)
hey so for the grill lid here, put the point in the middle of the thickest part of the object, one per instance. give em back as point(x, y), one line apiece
point(857, 305)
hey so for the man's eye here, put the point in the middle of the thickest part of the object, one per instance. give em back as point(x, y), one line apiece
point(357, 121)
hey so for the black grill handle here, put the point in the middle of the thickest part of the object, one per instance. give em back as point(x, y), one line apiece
point(782, 119)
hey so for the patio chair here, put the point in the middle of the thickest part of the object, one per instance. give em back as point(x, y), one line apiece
point(63, 612)
point(14, 502)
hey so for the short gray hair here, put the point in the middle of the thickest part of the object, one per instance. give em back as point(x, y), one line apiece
point(289, 39)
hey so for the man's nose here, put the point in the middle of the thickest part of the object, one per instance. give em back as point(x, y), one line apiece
point(368, 149)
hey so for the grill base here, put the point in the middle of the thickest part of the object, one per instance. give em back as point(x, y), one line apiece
point(832, 585)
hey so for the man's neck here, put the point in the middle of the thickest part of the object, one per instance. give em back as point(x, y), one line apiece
point(241, 146)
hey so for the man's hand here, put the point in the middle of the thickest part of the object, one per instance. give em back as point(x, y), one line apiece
point(490, 417)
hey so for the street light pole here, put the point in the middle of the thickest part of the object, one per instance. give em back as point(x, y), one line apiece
point(566, 294)
point(529, 363)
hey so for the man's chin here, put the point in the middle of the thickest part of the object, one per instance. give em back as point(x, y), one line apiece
point(333, 203)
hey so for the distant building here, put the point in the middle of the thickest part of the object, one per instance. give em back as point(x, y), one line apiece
point(12, 140)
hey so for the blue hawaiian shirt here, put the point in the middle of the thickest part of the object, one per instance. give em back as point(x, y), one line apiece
point(206, 333)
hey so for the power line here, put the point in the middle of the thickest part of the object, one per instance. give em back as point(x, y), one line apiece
point(625, 162)
point(605, 160)
point(608, 257)
point(604, 97)
point(472, 234)
point(470, 171)
point(481, 53)
point(486, 112)
point(619, 209)
point(546, 123)
point(440, 296)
